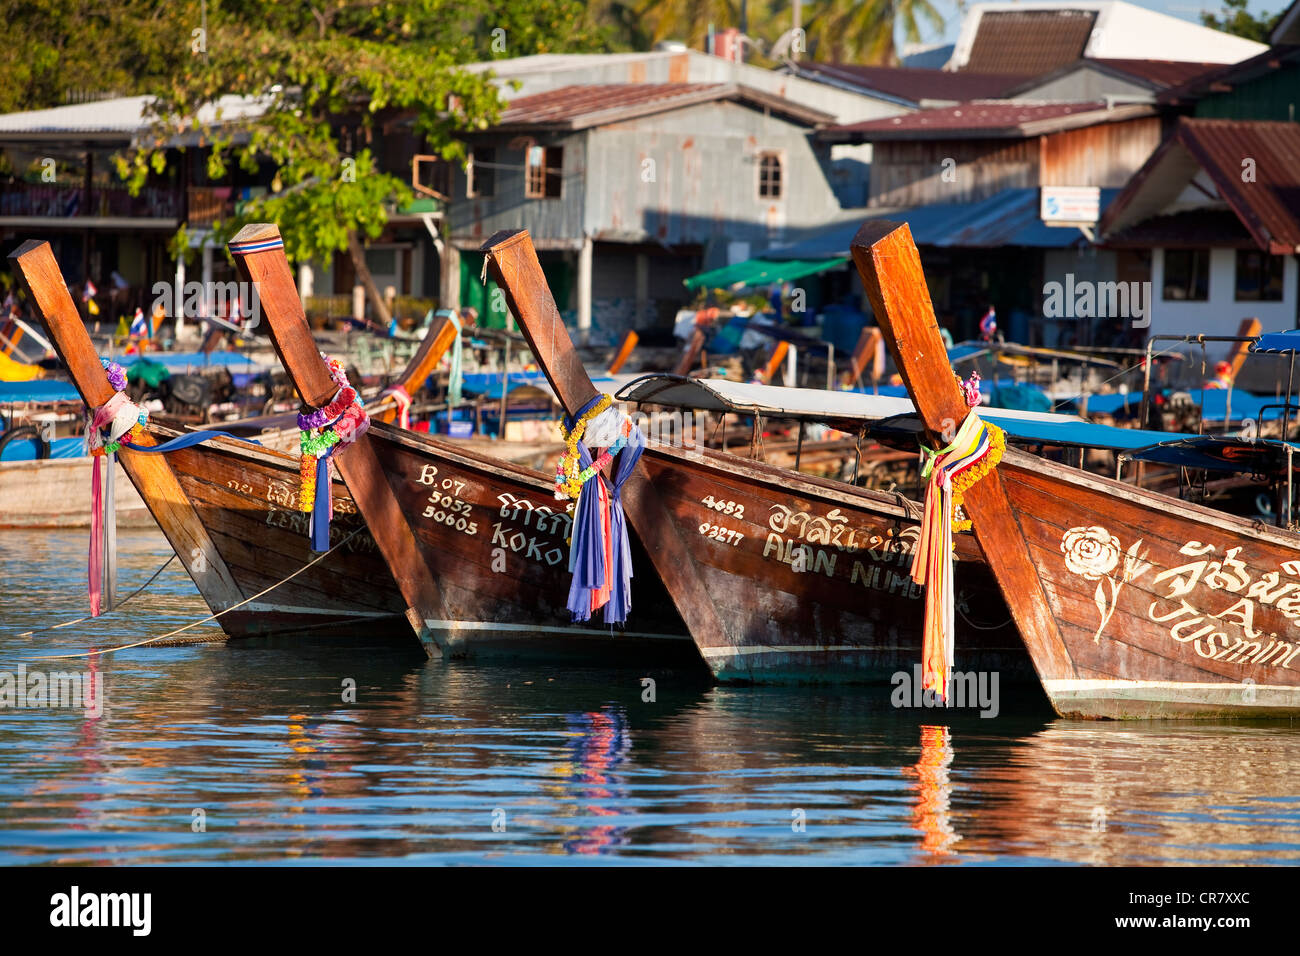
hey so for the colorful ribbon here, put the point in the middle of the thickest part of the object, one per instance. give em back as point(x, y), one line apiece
point(323, 432)
point(932, 564)
point(456, 377)
point(600, 557)
point(403, 399)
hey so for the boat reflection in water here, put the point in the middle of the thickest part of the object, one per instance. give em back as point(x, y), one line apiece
point(934, 792)
point(350, 751)
point(600, 745)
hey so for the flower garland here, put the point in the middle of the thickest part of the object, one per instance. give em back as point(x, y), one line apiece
point(568, 479)
point(117, 420)
point(949, 472)
point(964, 480)
point(339, 423)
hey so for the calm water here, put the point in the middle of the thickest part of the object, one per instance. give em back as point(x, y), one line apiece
point(464, 763)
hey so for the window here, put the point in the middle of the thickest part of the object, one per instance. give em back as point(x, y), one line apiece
point(1259, 277)
point(481, 174)
point(1187, 275)
point(545, 172)
point(770, 178)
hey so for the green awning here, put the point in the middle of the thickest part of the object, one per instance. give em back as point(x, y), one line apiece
point(760, 272)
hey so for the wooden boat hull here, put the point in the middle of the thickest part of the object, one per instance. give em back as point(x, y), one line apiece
point(246, 499)
point(55, 493)
point(1132, 604)
point(811, 577)
point(1202, 605)
point(496, 540)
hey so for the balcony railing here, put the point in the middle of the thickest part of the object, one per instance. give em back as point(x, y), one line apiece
point(58, 201)
point(210, 203)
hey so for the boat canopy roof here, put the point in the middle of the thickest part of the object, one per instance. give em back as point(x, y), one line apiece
point(1218, 453)
point(851, 411)
point(1288, 341)
point(38, 390)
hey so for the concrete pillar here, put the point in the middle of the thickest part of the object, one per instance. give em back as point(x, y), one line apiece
point(584, 291)
point(179, 301)
point(206, 302)
point(306, 282)
point(642, 289)
point(449, 294)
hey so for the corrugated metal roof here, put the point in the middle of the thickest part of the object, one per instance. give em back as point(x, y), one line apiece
point(914, 85)
point(1223, 77)
point(581, 106)
point(1029, 42)
point(1190, 228)
point(118, 118)
point(1267, 202)
point(985, 119)
point(1158, 73)
point(1008, 218)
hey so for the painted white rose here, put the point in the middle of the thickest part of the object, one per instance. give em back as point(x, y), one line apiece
point(1091, 552)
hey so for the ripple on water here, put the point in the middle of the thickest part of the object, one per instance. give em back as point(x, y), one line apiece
point(463, 763)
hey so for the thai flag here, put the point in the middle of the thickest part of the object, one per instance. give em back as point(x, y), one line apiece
point(138, 325)
point(90, 291)
point(989, 324)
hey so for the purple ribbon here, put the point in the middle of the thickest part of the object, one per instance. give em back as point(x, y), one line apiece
point(322, 508)
point(587, 554)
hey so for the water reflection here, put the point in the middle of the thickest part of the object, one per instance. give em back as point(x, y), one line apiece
point(269, 744)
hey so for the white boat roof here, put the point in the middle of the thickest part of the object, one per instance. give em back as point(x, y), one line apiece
point(809, 404)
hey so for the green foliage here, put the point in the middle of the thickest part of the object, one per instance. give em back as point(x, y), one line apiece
point(56, 51)
point(330, 82)
point(1234, 18)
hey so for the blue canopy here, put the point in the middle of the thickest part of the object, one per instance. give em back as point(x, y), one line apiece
point(38, 390)
point(1218, 453)
point(1288, 341)
point(24, 449)
point(1214, 406)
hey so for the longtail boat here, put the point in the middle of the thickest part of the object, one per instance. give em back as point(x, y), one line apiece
point(783, 577)
point(1132, 604)
point(228, 507)
point(488, 532)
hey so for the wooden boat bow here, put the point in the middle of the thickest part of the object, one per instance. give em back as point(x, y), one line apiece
point(513, 263)
point(890, 265)
point(259, 256)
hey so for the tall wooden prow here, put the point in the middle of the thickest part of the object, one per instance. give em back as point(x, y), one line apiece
point(259, 256)
point(512, 262)
point(151, 474)
point(890, 265)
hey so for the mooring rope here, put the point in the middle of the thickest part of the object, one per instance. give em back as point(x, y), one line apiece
point(316, 560)
point(154, 577)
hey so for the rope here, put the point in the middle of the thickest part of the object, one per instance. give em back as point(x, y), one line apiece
point(316, 560)
point(134, 593)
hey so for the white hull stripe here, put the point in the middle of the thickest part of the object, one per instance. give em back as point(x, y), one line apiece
point(260, 608)
point(751, 649)
point(1074, 686)
point(546, 629)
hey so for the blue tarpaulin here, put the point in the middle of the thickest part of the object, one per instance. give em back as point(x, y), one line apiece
point(1214, 406)
point(38, 390)
point(24, 449)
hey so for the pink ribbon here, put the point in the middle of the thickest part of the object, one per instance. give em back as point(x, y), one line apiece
point(103, 417)
point(403, 399)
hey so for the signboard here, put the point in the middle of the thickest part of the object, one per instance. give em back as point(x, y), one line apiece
point(1070, 205)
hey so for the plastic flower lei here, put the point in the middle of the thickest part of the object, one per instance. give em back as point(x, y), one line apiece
point(323, 432)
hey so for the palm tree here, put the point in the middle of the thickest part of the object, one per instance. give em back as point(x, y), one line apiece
point(688, 20)
point(862, 31)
